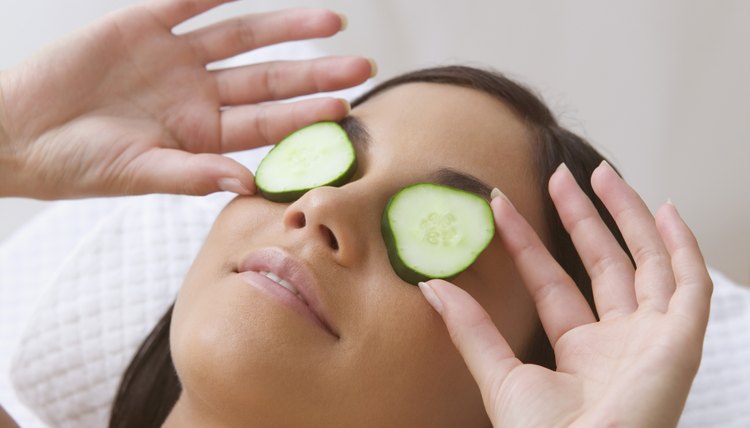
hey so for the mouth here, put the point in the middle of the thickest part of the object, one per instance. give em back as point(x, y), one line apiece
point(289, 279)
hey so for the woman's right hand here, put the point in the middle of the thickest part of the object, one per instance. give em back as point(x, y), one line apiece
point(635, 365)
point(126, 106)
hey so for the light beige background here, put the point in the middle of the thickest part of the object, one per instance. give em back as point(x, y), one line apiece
point(659, 86)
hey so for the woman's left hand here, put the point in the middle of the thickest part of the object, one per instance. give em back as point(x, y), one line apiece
point(632, 367)
point(125, 106)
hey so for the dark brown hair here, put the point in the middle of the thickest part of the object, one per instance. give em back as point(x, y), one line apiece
point(150, 386)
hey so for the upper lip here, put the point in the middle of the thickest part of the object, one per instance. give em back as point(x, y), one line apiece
point(278, 261)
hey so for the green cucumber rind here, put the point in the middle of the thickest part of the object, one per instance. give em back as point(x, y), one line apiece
point(404, 271)
point(292, 195)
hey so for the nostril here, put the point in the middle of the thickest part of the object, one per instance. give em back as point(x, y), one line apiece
point(331, 237)
point(298, 221)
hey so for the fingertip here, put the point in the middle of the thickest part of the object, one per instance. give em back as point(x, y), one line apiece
point(328, 21)
point(234, 185)
point(347, 106)
point(221, 173)
point(432, 298)
point(563, 188)
point(604, 178)
point(670, 223)
point(332, 109)
point(344, 21)
point(449, 295)
point(555, 182)
point(499, 205)
point(604, 171)
point(667, 209)
point(373, 67)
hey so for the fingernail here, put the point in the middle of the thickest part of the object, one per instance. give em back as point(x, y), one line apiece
point(373, 67)
point(606, 164)
point(562, 167)
point(344, 21)
point(670, 202)
point(346, 104)
point(497, 193)
point(431, 297)
point(233, 185)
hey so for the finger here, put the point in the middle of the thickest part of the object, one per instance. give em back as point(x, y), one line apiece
point(250, 126)
point(238, 35)
point(285, 79)
point(654, 280)
point(178, 172)
point(692, 296)
point(172, 12)
point(560, 304)
point(608, 266)
point(485, 351)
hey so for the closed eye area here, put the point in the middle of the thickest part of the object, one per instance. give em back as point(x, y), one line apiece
point(361, 139)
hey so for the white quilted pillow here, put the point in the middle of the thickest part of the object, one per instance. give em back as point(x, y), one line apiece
point(93, 315)
point(111, 267)
point(48, 271)
point(721, 392)
point(111, 292)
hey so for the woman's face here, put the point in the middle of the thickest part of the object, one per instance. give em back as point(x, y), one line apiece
point(250, 353)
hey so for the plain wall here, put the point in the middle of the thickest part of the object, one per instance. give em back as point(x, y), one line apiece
point(661, 87)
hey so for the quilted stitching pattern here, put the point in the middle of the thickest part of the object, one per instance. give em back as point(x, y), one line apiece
point(28, 260)
point(96, 312)
point(721, 391)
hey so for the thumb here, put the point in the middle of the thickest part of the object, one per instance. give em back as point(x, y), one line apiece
point(179, 172)
point(485, 351)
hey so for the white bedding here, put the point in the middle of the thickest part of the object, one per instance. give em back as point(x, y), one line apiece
point(81, 285)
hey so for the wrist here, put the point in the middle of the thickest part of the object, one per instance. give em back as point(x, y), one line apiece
point(10, 163)
point(4, 139)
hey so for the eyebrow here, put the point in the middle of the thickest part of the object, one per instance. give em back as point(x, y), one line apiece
point(360, 137)
point(462, 181)
point(357, 132)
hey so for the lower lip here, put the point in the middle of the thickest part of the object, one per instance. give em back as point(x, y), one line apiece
point(281, 294)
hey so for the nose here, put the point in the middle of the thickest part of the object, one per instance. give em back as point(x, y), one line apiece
point(335, 219)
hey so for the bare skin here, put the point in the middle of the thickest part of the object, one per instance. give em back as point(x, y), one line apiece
point(635, 366)
point(244, 358)
point(129, 126)
point(124, 106)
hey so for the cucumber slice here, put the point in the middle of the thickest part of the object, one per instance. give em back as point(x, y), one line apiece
point(316, 155)
point(434, 231)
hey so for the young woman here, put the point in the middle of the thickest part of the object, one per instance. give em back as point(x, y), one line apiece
point(366, 349)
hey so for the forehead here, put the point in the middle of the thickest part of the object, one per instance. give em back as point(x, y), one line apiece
point(438, 125)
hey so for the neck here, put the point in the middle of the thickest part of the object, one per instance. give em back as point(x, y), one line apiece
point(189, 412)
point(182, 415)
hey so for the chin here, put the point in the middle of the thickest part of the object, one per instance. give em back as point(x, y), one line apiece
point(236, 347)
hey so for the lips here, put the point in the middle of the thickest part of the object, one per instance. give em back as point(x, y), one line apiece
point(274, 267)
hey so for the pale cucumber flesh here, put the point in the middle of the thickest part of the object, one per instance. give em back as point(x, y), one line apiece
point(435, 231)
point(320, 154)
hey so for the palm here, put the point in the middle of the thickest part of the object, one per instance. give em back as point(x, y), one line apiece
point(127, 98)
point(595, 364)
point(143, 86)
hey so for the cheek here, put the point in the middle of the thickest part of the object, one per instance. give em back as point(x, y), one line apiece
point(495, 283)
point(406, 362)
point(236, 349)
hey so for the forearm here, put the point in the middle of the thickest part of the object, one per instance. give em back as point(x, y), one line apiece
point(10, 162)
point(5, 420)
